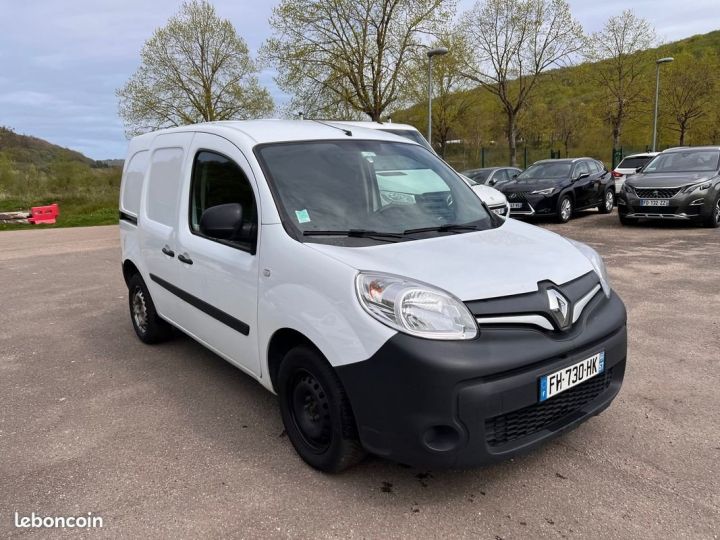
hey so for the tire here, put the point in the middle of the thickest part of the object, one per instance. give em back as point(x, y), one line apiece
point(713, 220)
point(627, 221)
point(564, 209)
point(148, 325)
point(316, 412)
point(608, 203)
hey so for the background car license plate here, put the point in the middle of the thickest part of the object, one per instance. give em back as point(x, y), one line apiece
point(515, 205)
point(564, 379)
point(654, 202)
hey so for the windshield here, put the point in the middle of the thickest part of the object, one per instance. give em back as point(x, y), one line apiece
point(633, 162)
point(685, 161)
point(409, 134)
point(368, 186)
point(546, 170)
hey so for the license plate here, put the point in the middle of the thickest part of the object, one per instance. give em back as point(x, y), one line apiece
point(564, 379)
point(654, 202)
point(516, 205)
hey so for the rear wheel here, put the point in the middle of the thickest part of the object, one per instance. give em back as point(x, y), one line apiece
point(316, 411)
point(608, 203)
point(148, 325)
point(713, 220)
point(564, 209)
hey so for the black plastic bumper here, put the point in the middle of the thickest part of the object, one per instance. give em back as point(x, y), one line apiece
point(466, 403)
point(684, 207)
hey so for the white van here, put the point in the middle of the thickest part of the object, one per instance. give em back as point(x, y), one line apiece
point(357, 276)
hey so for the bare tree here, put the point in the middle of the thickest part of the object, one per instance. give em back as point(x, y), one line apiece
point(339, 56)
point(618, 49)
point(196, 68)
point(687, 92)
point(515, 42)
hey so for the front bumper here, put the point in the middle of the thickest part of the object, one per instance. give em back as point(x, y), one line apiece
point(466, 403)
point(682, 207)
point(528, 204)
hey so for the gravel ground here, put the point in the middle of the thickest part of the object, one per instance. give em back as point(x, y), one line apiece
point(172, 441)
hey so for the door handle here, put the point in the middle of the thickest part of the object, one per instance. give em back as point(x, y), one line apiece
point(184, 258)
point(167, 251)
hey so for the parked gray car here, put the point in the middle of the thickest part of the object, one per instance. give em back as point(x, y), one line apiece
point(679, 184)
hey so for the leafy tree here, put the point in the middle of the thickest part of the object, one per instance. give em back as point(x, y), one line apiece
point(515, 41)
point(687, 92)
point(451, 101)
point(194, 69)
point(621, 66)
point(339, 58)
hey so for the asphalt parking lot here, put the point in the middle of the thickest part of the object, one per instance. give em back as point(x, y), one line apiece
point(171, 440)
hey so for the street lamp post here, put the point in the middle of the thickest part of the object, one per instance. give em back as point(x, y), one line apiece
point(657, 95)
point(439, 51)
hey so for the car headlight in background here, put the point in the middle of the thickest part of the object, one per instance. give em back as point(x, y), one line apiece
point(414, 308)
point(597, 263)
point(548, 191)
point(697, 187)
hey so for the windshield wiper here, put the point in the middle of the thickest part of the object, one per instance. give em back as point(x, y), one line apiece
point(354, 233)
point(443, 228)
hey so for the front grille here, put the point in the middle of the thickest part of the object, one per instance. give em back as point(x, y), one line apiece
point(517, 196)
point(652, 193)
point(515, 425)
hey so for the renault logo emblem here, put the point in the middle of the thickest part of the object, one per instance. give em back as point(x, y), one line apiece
point(559, 308)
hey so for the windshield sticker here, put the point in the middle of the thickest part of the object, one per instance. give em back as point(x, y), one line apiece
point(302, 216)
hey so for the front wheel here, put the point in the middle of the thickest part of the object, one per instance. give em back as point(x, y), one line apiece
point(565, 209)
point(608, 203)
point(713, 220)
point(316, 412)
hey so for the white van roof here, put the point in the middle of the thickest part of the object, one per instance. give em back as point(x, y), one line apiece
point(271, 130)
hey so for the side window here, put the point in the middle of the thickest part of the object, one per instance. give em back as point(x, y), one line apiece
point(133, 181)
point(500, 176)
point(581, 168)
point(594, 167)
point(163, 188)
point(218, 180)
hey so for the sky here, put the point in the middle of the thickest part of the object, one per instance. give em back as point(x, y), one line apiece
point(61, 61)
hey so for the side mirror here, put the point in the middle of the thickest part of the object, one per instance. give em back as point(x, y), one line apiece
point(223, 221)
point(638, 169)
point(492, 182)
point(582, 175)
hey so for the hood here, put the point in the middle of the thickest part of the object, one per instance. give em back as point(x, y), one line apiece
point(490, 196)
point(510, 259)
point(667, 180)
point(532, 184)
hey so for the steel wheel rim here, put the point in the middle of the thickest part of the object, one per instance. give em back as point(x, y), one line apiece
point(609, 201)
point(565, 209)
point(310, 411)
point(139, 310)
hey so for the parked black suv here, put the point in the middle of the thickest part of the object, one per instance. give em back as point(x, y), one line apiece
point(680, 184)
point(560, 187)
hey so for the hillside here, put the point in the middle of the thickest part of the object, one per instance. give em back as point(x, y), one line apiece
point(568, 106)
point(34, 172)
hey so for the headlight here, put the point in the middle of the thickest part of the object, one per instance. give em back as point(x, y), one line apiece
point(548, 191)
point(697, 187)
point(628, 188)
point(597, 263)
point(414, 308)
